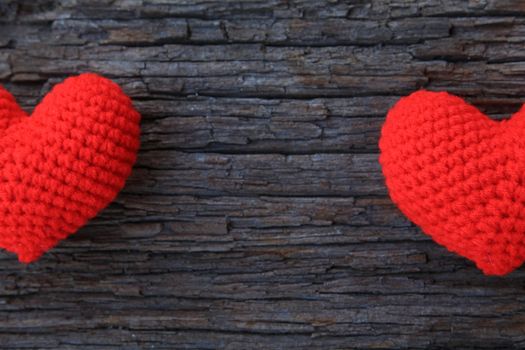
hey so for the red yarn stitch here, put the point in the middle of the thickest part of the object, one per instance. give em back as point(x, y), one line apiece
point(65, 163)
point(459, 175)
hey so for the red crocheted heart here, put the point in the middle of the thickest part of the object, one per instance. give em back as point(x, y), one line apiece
point(460, 176)
point(62, 165)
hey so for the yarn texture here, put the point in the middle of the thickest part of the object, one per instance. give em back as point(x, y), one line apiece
point(62, 165)
point(459, 175)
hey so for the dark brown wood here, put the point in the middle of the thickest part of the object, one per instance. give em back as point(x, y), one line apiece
point(256, 216)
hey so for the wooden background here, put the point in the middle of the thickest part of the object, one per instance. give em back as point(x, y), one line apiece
point(256, 216)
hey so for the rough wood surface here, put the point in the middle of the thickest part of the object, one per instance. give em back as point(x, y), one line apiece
point(256, 216)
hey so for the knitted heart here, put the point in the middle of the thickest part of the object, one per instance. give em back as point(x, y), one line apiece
point(62, 165)
point(460, 176)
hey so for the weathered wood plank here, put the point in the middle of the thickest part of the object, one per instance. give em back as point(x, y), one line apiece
point(256, 216)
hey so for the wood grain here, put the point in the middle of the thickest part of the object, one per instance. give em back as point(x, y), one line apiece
point(256, 216)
